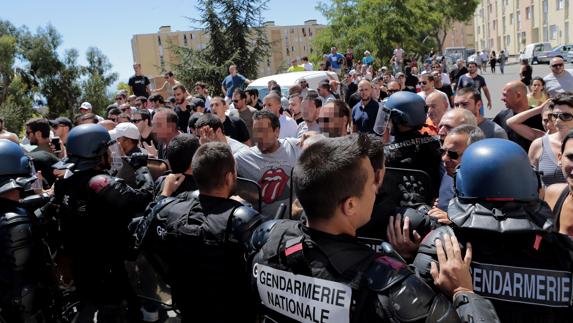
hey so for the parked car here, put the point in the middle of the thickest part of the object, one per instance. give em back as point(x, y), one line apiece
point(532, 52)
point(561, 50)
point(569, 57)
point(287, 80)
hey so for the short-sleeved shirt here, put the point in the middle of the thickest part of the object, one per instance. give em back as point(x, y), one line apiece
point(492, 129)
point(288, 127)
point(272, 171)
point(138, 84)
point(247, 116)
point(477, 82)
point(533, 122)
point(335, 60)
point(367, 60)
point(559, 84)
point(236, 129)
point(233, 82)
point(364, 117)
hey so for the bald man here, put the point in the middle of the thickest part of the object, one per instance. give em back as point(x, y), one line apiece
point(559, 80)
point(453, 118)
point(514, 95)
point(437, 106)
point(364, 112)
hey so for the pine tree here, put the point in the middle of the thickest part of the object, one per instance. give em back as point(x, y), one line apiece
point(236, 36)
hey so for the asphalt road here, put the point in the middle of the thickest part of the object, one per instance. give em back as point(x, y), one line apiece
point(496, 81)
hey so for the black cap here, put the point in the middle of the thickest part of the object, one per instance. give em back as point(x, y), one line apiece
point(61, 121)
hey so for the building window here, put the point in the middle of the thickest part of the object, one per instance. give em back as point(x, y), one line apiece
point(494, 24)
point(528, 13)
point(553, 32)
point(503, 24)
point(511, 19)
point(159, 40)
point(303, 32)
point(507, 40)
point(545, 34)
point(185, 43)
point(518, 16)
point(560, 4)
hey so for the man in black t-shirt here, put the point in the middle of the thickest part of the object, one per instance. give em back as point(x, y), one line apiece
point(515, 97)
point(139, 83)
point(232, 126)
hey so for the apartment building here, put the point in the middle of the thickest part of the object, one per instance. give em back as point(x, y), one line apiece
point(512, 24)
point(154, 53)
point(460, 34)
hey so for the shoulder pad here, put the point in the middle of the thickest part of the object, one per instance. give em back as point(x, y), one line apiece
point(15, 216)
point(194, 194)
point(427, 251)
point(99, 182)
point(244, 221)
point(412, 300)
point(261, 234)
point(385, 272)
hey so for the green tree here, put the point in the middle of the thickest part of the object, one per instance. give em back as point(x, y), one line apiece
point(381, 25)
point(98, 79)
point(236, 36)
point(123, 86)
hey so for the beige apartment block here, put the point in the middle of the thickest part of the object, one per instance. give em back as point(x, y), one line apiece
point(461, 34)
point(512, 24)
point(154, 53)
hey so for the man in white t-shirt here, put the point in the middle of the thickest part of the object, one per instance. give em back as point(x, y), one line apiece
point(269, 162)
point(272, 102)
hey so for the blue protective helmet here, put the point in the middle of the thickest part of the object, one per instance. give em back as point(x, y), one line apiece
point(86, 143)
point(15, 167)
point(496, 170)
point(407, 109)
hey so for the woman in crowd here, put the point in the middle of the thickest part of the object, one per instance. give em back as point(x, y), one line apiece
point(545, 151)
point(492, 60)
point(537, 95)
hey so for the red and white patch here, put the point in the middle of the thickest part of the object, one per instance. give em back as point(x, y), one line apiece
point(273, 183)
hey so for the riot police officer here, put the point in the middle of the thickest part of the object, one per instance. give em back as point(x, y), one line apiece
point(94, 210)
point(200, 240)
point(321, 273)
point(411, 149)
point(23, 261)
point(522, 267)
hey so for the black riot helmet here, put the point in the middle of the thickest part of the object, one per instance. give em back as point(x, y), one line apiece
point(86, 144)
point(16, 169)
point(407, 108)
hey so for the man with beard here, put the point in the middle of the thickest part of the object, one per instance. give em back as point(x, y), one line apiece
point(269, 162)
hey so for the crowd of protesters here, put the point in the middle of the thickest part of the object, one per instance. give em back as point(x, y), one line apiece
point(429, 129)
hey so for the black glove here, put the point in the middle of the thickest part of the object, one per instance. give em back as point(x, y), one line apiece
point(412, 192)
point(138, 160)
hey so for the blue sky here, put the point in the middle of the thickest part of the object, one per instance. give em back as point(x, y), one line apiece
point(109, 25)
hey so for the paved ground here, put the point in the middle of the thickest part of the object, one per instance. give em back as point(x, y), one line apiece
point(495, 82)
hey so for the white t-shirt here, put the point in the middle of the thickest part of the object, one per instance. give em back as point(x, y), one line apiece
point(288, 127)
point(272, 172)
point(398, 52)
point(560, 84)
point(308, 66)
point(235, 145)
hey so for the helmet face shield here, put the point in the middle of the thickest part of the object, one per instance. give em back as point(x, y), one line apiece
point(114, 157)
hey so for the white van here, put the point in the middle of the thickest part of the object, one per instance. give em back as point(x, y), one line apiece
point(532, 51)
point(287, 80)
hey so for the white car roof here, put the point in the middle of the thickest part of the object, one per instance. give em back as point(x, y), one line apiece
point(289, 79)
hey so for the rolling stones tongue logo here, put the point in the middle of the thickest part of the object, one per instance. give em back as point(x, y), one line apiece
point(273, 184)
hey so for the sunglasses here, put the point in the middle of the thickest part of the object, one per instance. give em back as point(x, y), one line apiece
point(557, 65)
point(423, 82)
point(235, 101)
point(451, 154)
point(562, 116)
point(135, 120)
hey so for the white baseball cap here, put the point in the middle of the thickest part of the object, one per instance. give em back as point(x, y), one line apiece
point(125, 129)
point(86, 105)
